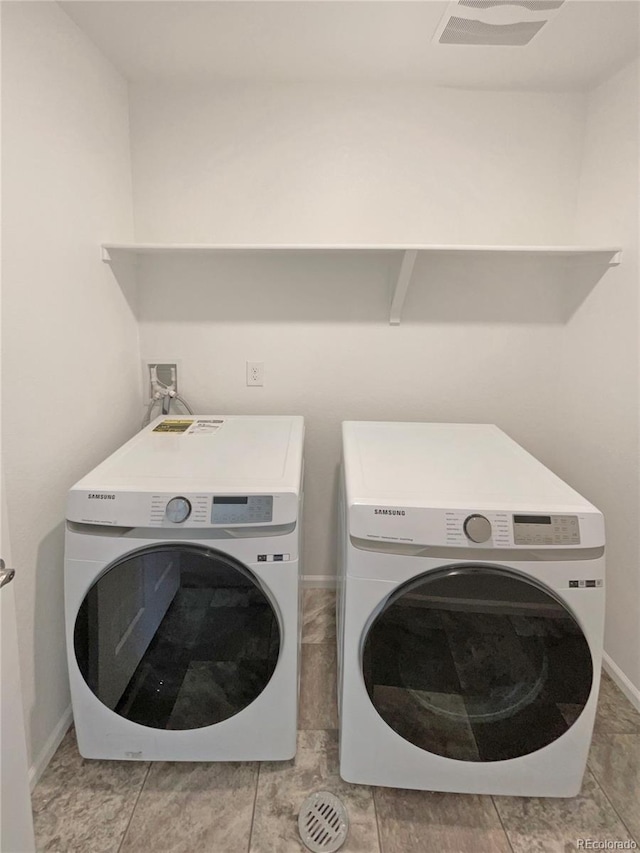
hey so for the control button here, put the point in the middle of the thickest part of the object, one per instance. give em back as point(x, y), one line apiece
point(477, 528)
point(178, 510)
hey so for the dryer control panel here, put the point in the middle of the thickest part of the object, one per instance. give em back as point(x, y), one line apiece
point(477, 527)
point(502, 529)
point(546, 530)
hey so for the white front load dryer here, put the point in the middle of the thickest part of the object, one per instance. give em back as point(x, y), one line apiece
point(182, 592)
point(470, 614)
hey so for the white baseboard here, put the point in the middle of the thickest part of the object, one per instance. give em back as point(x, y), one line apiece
point(628, 687)
point(48, 750)
point(318, 581)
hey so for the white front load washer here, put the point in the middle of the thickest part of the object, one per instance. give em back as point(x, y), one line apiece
point(470, 613)
point(182, 592)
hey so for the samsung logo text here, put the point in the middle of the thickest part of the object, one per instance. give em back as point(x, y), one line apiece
point(92, 496)
point(389, 512)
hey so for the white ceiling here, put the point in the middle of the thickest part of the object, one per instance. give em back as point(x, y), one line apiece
point(323, 41)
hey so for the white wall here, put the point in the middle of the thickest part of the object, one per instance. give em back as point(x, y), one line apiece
point(478, 343)
point(599, 400)
point(320, 164)
point(70, 342)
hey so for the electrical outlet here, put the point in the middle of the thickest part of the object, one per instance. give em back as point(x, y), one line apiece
point(255, 373)
point(166, 371)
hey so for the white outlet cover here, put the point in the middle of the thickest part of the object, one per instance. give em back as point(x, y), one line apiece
point(255, 373)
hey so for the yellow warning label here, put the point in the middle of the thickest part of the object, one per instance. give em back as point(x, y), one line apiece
point(173, 426)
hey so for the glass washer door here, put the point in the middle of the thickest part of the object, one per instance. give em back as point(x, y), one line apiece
point(477, 664)
point(177, 636)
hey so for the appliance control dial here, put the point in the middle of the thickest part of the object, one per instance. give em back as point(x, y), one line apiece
point(178, 510)
point(477, 528)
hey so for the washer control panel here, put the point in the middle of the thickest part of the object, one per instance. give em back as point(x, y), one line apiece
point(178, 510)
point(546, 530)
point(477, 528)
point(241, 509)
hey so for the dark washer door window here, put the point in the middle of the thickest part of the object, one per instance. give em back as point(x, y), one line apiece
point(177, 637)
point(477, 664)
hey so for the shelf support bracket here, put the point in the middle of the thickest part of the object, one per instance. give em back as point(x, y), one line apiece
point(402, 286)
point(105, 255)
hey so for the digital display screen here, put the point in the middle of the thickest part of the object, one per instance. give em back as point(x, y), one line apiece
point(532, 519)
point(231, 500)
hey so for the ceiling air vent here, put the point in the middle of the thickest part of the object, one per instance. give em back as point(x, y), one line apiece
point(529, 5)
point(495, 22)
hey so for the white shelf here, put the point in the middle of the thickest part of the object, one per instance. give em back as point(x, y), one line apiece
point(606, 256)
point(186, 248)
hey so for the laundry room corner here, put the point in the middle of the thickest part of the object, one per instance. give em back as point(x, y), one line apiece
point(598, 405)
point(71, 377)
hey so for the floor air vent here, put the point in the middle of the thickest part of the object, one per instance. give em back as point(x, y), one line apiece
point(495, 22)
point(323, 823)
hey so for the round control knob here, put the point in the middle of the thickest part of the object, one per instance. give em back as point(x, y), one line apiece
point(178, 510)
point(477, 528)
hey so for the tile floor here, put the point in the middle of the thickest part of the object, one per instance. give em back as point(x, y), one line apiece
point(128, 807)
